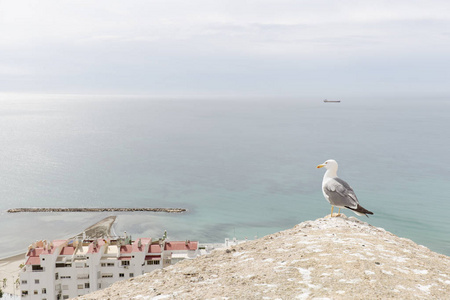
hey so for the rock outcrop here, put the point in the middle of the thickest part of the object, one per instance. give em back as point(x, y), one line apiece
point(336, 258)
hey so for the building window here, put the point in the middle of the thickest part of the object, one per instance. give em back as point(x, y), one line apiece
point(110, 264)
point(36, 281)
point(107, 275)
point(65, 296)
point(24, 293)
point(35, 292)
point(80, 286)
point(103, 264)
point(152, 262)
point(24, 282)
point(56, 276)
point(125, 262)
point(131, 275)
point(44, 291)
point(121, 275)
point(65, 277)
point(65, 287)
point(86, 285)
point(37, 268)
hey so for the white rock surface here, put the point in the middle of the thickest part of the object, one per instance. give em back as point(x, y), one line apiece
point(330, 258)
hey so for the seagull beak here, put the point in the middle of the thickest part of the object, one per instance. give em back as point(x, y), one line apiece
point(320, 166)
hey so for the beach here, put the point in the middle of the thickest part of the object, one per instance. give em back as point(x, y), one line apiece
point(9, 269)
point(10, 266)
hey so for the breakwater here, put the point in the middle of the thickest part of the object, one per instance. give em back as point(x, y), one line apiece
point(98, 209)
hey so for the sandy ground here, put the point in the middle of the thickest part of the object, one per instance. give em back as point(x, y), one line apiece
point(9, 267)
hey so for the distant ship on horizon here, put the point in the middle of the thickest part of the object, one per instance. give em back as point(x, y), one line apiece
point(332, 101)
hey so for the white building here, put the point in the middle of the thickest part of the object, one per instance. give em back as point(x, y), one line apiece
point(64, 269)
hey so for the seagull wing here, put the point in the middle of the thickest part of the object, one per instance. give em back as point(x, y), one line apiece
point(340, 193)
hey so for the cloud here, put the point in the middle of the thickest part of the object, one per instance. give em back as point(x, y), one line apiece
point(212, 46)
point(12, 70)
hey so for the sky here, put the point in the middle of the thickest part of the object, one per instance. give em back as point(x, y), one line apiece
point(289, 48)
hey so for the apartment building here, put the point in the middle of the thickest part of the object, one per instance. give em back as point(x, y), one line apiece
point(63, 269)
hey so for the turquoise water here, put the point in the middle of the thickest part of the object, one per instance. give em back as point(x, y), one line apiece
point(242, 167)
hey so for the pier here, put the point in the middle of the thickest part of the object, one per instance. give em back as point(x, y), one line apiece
point(98, 209)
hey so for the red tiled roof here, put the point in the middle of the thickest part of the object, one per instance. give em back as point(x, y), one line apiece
point(181, 246)
point(35, 252)
point(91, 248)
point(67, 251)
point(39, 251)
point(156, 257)
point(124, 258)
point(144, 242)
point(33, 260)
point(154, 248)
point(126, 249)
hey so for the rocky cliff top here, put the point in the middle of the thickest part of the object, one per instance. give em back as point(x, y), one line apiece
point(333, 258)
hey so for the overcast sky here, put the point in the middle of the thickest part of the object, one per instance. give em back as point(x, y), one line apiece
point(295, 48)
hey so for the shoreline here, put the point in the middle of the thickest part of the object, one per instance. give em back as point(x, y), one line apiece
point(94, 209)
point(9, 266)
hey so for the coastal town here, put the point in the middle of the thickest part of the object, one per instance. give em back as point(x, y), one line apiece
point(93, 260)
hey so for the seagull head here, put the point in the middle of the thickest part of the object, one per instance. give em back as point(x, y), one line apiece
point(330, 164)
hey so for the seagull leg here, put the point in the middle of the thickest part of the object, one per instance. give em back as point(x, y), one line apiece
point(332, 207)
point(339, 212)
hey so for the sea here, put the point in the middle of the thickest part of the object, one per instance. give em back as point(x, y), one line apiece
point(242, 167)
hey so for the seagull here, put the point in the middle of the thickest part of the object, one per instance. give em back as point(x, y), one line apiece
point(338, 192)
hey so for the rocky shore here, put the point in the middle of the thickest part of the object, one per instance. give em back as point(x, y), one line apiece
point(98, 209)
point(332, 258)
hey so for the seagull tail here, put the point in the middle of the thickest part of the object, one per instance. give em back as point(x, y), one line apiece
point(360, 211)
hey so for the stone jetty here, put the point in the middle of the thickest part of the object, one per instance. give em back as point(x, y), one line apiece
point(98, 209)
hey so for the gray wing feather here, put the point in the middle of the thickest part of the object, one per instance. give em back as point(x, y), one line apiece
point(340, 193)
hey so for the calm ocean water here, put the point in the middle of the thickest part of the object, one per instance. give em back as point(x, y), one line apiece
point(243, 168)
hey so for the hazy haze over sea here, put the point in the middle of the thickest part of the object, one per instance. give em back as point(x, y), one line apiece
point(243, 167)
